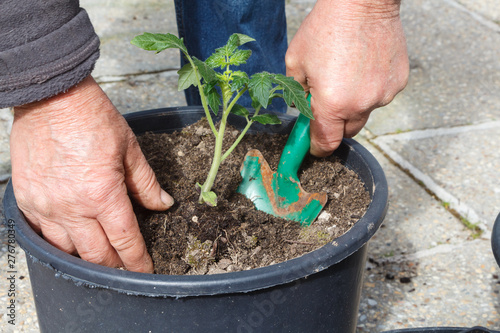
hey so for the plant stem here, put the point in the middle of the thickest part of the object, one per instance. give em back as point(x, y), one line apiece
point(202, 96)
point(217, 160)
point(236, 98)
point(242, 134)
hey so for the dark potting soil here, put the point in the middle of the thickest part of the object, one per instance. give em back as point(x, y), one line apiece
point(193, 238)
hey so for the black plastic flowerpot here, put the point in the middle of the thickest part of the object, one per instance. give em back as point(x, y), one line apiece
point(476, 329)
point(495, 239)
point(317, 292)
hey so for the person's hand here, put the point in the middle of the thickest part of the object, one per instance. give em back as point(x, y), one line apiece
point(351, 55)
point(74, 158)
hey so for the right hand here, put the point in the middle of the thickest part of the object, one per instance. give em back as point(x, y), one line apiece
point(351, 55)
point(74, 159)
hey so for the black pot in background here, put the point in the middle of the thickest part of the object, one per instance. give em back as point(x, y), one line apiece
point(495, 239)
point(318, 292)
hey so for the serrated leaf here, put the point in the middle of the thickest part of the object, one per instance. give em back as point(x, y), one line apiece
point(209, 86)
point(240, 110)
point(220, 58)
point(208, 74)
point(187, 77)
point(239, 57)
point(236, 40)
point(243, 39)
point(240, 79)
point(260, 85)
point(158, 42)
point(267, 119)
point(228, 54)
point(217, 59)
point(255, 102)
point(232, 44)
point(213, 98)
point(288, 82)
point(240, 74)
point(294, 94)
point(210, 198)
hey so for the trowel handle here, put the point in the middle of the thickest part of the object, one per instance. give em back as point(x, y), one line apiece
point(296, 147)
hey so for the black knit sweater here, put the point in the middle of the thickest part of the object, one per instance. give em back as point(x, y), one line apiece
point(46, 47)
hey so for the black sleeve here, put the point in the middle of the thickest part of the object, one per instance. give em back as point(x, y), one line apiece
point(46, 47)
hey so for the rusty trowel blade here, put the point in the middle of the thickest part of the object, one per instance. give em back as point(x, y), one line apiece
point(278, 194)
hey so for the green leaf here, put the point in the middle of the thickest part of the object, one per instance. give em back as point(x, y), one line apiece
point(294, 94)
point(208, 74)
point(217, 59)
point(210, 198)
point(236, 40)
point(228, 54)
point(240, 79)
point(255, 102)
point(260, 85)
point(240, 110)
point(187, 77)
point(239, 57)
point(158, 42)
point(267, 119)
point(220, 58)
point(243, 39)
point(213, 98)
point(232, 44)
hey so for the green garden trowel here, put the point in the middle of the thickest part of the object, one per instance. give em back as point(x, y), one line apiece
point(280, 193)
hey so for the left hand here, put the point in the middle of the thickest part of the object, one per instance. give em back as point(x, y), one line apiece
point(74, 162)
point(352, 57)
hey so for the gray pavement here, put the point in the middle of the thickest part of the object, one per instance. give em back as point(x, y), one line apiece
point(438, 143)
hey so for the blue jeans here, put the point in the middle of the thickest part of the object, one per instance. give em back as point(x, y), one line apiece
point(207, 24)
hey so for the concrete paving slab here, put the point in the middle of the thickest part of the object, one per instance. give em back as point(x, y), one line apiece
point(490, 9)
point(460, 165)
point(296, 11)
point(26, 320)
point(455, 286)
point(25, 313)
point(455, 72)
point(415, 220)
point(117, 22)
point(143, 92)
point(424, 267)
point(6, 118)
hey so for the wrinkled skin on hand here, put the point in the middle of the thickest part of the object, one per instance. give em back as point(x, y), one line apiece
point(352, 57)
point(74, 162)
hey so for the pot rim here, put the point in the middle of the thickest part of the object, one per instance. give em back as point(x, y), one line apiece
point(80, 271)
point(495, 239)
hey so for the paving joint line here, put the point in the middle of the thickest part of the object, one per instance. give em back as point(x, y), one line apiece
point(460, 211)
point(476, 16)
point(103, 79)
point(441, 131)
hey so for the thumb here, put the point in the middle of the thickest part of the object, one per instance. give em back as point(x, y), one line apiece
point(141, 181)
point(327, 130)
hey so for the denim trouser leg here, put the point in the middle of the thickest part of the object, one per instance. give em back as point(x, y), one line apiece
point(207, 24)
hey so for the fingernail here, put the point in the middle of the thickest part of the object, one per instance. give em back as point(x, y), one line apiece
point(167, 199)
